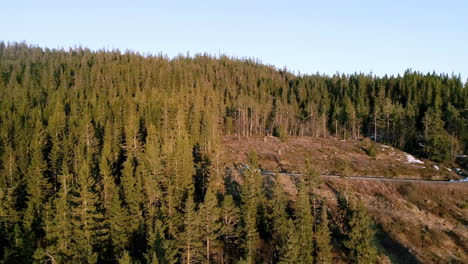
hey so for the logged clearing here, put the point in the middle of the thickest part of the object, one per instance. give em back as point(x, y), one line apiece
point(332, 156)
point(414, 222)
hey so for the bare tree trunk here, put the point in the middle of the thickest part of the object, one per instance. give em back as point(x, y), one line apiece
point(375, 127)
point(208, 250)
point(336, 128)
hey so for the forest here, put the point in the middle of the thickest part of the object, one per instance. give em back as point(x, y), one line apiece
point(114, 157)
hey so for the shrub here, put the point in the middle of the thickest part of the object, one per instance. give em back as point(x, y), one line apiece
point(280, 132)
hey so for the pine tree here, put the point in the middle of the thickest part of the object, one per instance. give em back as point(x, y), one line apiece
point(323, 247)
point(125, 258)
point(210, 222)
point(183, 166)
point(117, 221)
point(132, 195)
point(160, 250)
point(106, 163)
point(360, 237)
point(437, 145)
point(304, 224)
point(230, 219)
point(38, 189)
point(250, 199)
point(312, 181)
point(153, 258)
point(153, 173)
point(278, 216)
point(311, 178)
point(37, 183)
point(15, 252)
point(290, 251)
point(56, 129)
point(86, 219)
point(191, 237)
point(59, 235)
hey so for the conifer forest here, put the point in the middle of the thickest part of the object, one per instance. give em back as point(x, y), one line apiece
point(115, 157)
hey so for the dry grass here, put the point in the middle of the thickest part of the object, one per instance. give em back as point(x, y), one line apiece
point(330, 156)
point(430, 220)
point(426, 221)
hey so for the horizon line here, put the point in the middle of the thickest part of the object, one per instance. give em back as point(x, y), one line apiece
point(220, 55)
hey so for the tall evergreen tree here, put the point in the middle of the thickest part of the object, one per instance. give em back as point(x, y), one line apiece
point(304, 224)
point(191, 240)
point(290, 251)
point(59, 236)
point(278, 217)
point(323, 248)
point(132, 195)
point(210, 222)
point(86, 219)
point(360, 237)
point(250, 199)
point(230, 217)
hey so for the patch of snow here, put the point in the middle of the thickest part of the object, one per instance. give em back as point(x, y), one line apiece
point(449, 169)
point(421, 145)
point(436, 167)
point(462, 180)
point(385, 146)
point(412, 159)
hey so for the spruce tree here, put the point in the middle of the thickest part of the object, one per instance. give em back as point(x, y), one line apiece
point(304, 224)
point(59, 236)
point(323, 248)
point(230, 217)
point(132, 195)
point(38, 189)
point(191, 238)
point(210, 222)
point(250, 199)
point(437, 145)
point(290, 251)
point(361, 236)
point(278, 217)
point(86, 219)
point(117, 221)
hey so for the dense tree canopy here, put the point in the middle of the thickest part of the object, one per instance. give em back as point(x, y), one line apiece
point(108, 156)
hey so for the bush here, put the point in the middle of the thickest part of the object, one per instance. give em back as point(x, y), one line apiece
point(368, 147)
point(280, 132)
point(372, 151)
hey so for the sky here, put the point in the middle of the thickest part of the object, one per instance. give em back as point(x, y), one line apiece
point(382, 37)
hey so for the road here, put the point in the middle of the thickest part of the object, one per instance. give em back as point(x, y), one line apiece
point(369, 178)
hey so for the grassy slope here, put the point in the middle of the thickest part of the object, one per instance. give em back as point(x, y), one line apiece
point(414, 222)
point(331, 156)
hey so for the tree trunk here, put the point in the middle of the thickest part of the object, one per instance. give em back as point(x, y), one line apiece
point(375, 127)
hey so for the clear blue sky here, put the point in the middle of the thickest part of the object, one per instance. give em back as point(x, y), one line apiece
point(305, 36)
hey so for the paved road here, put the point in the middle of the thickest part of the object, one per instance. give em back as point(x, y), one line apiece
point(369, 178)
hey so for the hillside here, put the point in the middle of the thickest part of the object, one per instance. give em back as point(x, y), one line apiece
point(334, 156)
point(111, 157)
point(414, 222)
